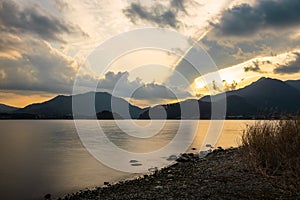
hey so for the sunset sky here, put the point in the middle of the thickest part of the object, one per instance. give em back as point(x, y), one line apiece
point(44, 43)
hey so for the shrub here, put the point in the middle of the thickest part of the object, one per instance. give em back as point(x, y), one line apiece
point(272, 148)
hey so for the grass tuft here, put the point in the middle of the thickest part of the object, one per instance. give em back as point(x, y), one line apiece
point(273, 148)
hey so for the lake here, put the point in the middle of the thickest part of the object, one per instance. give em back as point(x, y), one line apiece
point(47, 156)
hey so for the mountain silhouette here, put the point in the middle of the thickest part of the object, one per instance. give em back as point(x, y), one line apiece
point(7, 109)
point(103, 115)
point(61, 106)
point(294, 83)
point(270, 95)
point(264, 98)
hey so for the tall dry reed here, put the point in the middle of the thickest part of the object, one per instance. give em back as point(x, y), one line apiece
point(273, 148)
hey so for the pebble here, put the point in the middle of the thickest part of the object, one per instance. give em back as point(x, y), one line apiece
point(170, 175)
point(47, 196)
point(172, 157)
point(136, 164)
point(221, 175)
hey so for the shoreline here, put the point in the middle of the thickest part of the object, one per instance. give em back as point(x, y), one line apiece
point(123, 179)
point(219, 175)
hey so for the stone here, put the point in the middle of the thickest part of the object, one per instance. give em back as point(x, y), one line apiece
point(153, 169)
point(202, 154)
point(170, 176)
point(47, 196)
point(158, 187)
point(182, 159)
point(220, 148)
point(172, 157)
point(136, 164)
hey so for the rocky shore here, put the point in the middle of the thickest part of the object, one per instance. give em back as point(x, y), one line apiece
point(220, 175)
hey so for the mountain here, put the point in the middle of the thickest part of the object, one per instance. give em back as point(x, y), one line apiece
point(174, 111)
point(6, 109)
point(17, 116)
point(192, 109)
point(107, 115)
point(270, 95)
point(236, 106)
point(294, 83)
point(264, 98)
point(61, 106)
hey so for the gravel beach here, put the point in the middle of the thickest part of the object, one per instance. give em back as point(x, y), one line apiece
point(220, 175)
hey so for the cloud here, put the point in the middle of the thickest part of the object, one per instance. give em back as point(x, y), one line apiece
point(32, 19)
point(240, 20)
point(291, 68)
point(38, 68)
point(120, 85)
point(254, 68)
point(28, 59)
point(153, 91)
point(118, 82)
point(42, 68)
point(179, 5)
point(244, 19)
point(157, 14)
point(229, 86)
point(228, 51)
point(160, 14)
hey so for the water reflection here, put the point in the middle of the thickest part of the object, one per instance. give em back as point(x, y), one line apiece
point(39, 157)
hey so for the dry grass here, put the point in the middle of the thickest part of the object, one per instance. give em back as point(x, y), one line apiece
point(273, 148)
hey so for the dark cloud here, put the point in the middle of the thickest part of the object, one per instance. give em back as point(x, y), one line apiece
point(120, 85)
point(291, 68)
point(178, 5)
point(118, 82)
point(15, 18)
point(155, 15)
point(41, 68)
point(231, 51)
point(222, 55)
point(240, 20)
point(38, 68)
point(154, 91)
point(245, 19)
point(158, 13)
point(253, 68)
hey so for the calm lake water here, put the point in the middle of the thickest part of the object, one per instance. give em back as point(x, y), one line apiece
point(47, 156)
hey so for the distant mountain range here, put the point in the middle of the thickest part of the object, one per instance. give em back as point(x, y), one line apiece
point(7, 109)
point(265, 98)
point(294, 83)
point(60, 107)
